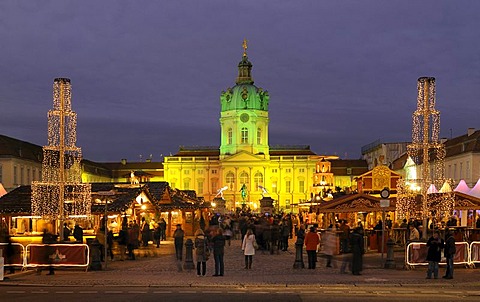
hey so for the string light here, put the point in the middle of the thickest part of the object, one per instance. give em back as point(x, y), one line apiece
point(426, 149)
point(61, 192)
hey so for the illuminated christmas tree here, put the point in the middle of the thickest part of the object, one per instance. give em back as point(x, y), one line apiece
point(60, 193)
point(428, 152)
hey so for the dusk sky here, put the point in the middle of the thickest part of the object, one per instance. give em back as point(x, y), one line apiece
point(147, 75)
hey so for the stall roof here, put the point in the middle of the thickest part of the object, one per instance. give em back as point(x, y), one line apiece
point(355, 203)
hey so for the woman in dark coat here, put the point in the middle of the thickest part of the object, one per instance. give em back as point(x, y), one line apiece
point(356, 242)
point(202, 252)
point(434, 254)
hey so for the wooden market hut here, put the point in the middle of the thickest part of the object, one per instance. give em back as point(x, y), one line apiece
point(150, 200)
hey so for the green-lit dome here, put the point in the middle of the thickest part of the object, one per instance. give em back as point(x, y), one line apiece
point(244, 95)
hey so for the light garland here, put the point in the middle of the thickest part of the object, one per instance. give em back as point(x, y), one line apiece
point(61, 192)
point(426, 149)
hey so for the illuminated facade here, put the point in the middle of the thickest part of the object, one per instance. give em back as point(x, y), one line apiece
point(285, 173)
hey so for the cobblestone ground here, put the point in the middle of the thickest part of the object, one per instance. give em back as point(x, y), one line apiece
point(157, 267)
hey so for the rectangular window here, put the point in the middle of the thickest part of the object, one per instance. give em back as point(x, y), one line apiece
point(39, 175)
point(467, 169)
point(288, 170)
point(34, 172)
point(287, 186)
point(22, 178)
point(214, 171)
point(274, 187)
point(186, 172)
point(349, 171)
point(449, 174)
point(454, 171)
point(301, 186)
point(244, 136)
point(214, 185)
point(200, 172)
point(461, 170)
point(186, 184)
point(200, 187)
point(274, 170)
point(287, 203)
point(28, 176)
point(301, 170)
point(172, 185)
point(15, 179)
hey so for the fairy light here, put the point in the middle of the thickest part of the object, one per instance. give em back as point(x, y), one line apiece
point(61, 192)
point(426, 149)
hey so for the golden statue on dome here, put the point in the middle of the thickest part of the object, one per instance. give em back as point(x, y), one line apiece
point(245, 46)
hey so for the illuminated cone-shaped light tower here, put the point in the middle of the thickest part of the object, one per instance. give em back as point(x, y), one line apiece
point(61, 193)
point(426, 149)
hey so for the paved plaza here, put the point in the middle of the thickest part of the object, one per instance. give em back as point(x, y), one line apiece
point(156, 267)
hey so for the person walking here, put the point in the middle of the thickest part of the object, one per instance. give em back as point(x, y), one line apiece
point(449, 252)
point(248, 248)
point(178, 241)
point(202, 252)
point(311, 242)
point(329, 244)
point(122, 241)
point(163, 229)
point(356, 242)
point(435, 245)
point(157, 235)
point(218, 242)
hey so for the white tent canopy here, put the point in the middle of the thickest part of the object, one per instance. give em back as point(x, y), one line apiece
point(475, 191)
point(462, 187)
point(432, 189)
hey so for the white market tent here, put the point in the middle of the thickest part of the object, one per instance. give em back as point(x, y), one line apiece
point(475, 191)
point(462, 187)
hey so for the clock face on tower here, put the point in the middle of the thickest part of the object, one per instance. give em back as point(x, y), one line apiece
point(385, 193)
point(244, 117)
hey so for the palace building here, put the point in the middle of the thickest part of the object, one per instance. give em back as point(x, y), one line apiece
point(290, 175)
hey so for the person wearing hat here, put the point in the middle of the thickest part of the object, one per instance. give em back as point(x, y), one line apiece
point(311, 242)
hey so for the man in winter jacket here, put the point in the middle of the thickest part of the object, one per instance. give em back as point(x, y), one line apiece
point(450, 251)
point(435, 245)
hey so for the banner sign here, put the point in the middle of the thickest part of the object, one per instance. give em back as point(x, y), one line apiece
point(57, 255)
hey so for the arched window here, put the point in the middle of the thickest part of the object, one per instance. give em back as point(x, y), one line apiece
point(244, 178)
point(244, 135)
point(229, 136)
point(230, 180)
point(259, 136)
point(258, 180)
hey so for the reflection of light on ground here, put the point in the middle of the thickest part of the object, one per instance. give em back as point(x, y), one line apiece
point(25, 240)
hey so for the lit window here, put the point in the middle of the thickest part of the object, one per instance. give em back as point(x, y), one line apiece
point(301, 186)
point(244, 135)
point(259, 136)
point(258, 179)
point(214, 183)
point(229, 136)
point(230, 180)
point(244, 178)
point(200, 187)
point(274, 187)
